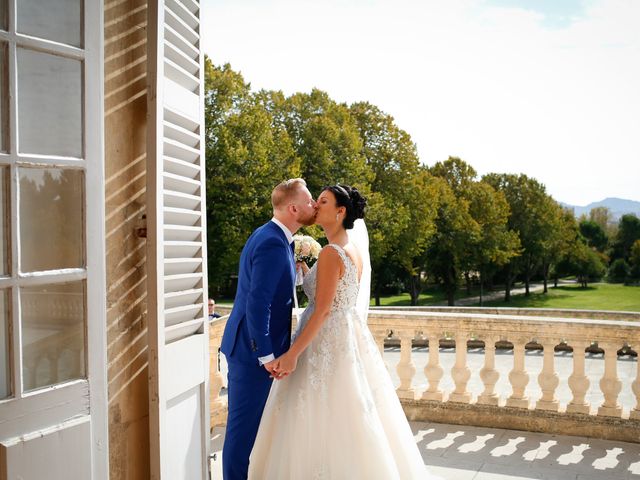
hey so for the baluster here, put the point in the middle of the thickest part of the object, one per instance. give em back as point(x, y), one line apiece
point(406, 368)
point(433, 371)
point(488, 373)
point(635, 386)
point(548, 378)
point(379, 334)
point(518, 376)
point(216, 402)
point(578, 381)
point(460, 371)
point(610, 384)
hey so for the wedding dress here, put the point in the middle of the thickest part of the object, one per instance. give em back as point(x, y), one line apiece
point(337, 416)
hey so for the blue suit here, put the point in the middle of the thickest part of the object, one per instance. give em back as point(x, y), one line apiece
point(259, 325)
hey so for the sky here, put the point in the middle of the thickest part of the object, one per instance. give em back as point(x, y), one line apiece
point(548, 88)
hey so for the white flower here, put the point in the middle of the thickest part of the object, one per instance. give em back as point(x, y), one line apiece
point(306, 248)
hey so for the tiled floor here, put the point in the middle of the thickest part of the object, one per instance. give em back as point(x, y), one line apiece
point(465, 453)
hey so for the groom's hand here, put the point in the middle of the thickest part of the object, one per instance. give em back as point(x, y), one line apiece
point(271, 367)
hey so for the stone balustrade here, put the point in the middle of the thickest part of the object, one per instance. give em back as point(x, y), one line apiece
point(489, 409)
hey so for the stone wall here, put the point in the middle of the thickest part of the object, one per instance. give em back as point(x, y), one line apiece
point(125, 152)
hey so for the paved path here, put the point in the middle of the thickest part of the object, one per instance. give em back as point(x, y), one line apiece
point(464, 453)
point(495, 295)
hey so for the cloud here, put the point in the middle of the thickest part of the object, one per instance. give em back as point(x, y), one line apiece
point(493, 84)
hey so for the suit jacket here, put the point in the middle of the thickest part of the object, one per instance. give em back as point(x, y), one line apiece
point(260, 321)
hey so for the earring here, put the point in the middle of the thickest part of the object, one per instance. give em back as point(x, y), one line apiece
point(337, 217)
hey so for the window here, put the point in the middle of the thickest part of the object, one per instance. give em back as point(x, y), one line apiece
point(43, 164)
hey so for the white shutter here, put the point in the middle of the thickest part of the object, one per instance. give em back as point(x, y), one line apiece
point(177, 274)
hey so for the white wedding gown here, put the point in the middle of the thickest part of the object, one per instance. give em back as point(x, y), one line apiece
point(337, 416)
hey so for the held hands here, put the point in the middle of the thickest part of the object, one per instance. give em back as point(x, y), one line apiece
point(282, 366)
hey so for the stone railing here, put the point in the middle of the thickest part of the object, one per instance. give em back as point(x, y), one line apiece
point(516, 410)
point(218, 404)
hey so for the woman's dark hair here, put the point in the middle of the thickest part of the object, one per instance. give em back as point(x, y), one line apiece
point(351, 199)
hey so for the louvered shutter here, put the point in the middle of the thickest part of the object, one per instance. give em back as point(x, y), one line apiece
point(176, 253)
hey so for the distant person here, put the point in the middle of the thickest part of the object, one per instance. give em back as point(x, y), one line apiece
point(212, 310)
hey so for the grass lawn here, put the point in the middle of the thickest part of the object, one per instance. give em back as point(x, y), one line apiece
point(428, 296)
point(598, 296)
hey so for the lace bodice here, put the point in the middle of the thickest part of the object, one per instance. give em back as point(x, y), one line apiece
point(347, 291)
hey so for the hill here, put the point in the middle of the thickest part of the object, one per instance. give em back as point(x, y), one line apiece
point(618, 207)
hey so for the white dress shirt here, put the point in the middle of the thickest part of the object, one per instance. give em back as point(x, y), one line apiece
point(289, 235)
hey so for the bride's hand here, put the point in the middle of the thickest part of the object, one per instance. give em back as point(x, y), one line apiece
point(287, 363)
point(303, 266)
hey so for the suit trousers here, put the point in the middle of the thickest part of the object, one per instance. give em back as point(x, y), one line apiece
point(248, 390)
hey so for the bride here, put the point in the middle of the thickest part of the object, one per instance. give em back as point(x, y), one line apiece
point(337, 416)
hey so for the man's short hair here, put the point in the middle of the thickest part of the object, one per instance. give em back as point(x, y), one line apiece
point(285, 191)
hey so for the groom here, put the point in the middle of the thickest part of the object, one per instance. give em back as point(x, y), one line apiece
point(259, 328)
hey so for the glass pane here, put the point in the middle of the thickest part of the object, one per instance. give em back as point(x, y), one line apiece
point(53, 319)
point(51, 219)
point(3, 15)
point(5, 362)
point(49, 104)
point(4, 226)
point(57, 20)
point(4, 98)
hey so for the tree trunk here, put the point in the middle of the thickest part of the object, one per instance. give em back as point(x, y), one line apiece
point(555, 282)
point(507, 286)
point(377, 295)
point(467, 279)
point(481, 280)
point(451, 286)
point(415, 289)
point(545, 270)
point(527, 278)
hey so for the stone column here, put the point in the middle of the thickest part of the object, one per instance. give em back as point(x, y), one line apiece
point(433, 371)
point(488, 373)
point(518, 376)
point(379, 334)
point(635, 386)
point(578, 381)
point(460, 371)
point(406, 368)
point(548, 378)
point(610, 384)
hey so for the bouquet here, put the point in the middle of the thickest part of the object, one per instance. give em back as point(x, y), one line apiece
point(306, 248)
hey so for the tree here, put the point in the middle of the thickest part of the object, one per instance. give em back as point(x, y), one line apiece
point(618, 271)
point(402, 203)
point(583, 262)
point(594, 234)
point(457, 232)
point(628, 233)
point(531, 218)
point(634, 260)
point(247, 154)
point(326, 138)
point(495, 245)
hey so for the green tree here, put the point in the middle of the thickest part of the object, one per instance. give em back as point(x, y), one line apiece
point(634, 260)
point(584, 262)
point(594, 234)
point(327, 140)
point(247, 153)
point(402, 202)
point(531, 218)
point(618, 271)
point(495, 244)
point(457, 232)
point(628, 233)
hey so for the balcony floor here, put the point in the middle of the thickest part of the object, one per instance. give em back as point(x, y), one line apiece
point(465, 453)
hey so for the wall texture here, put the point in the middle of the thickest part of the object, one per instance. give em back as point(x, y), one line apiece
point(125, 151)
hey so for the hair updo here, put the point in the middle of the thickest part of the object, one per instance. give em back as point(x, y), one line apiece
point(351, 199)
